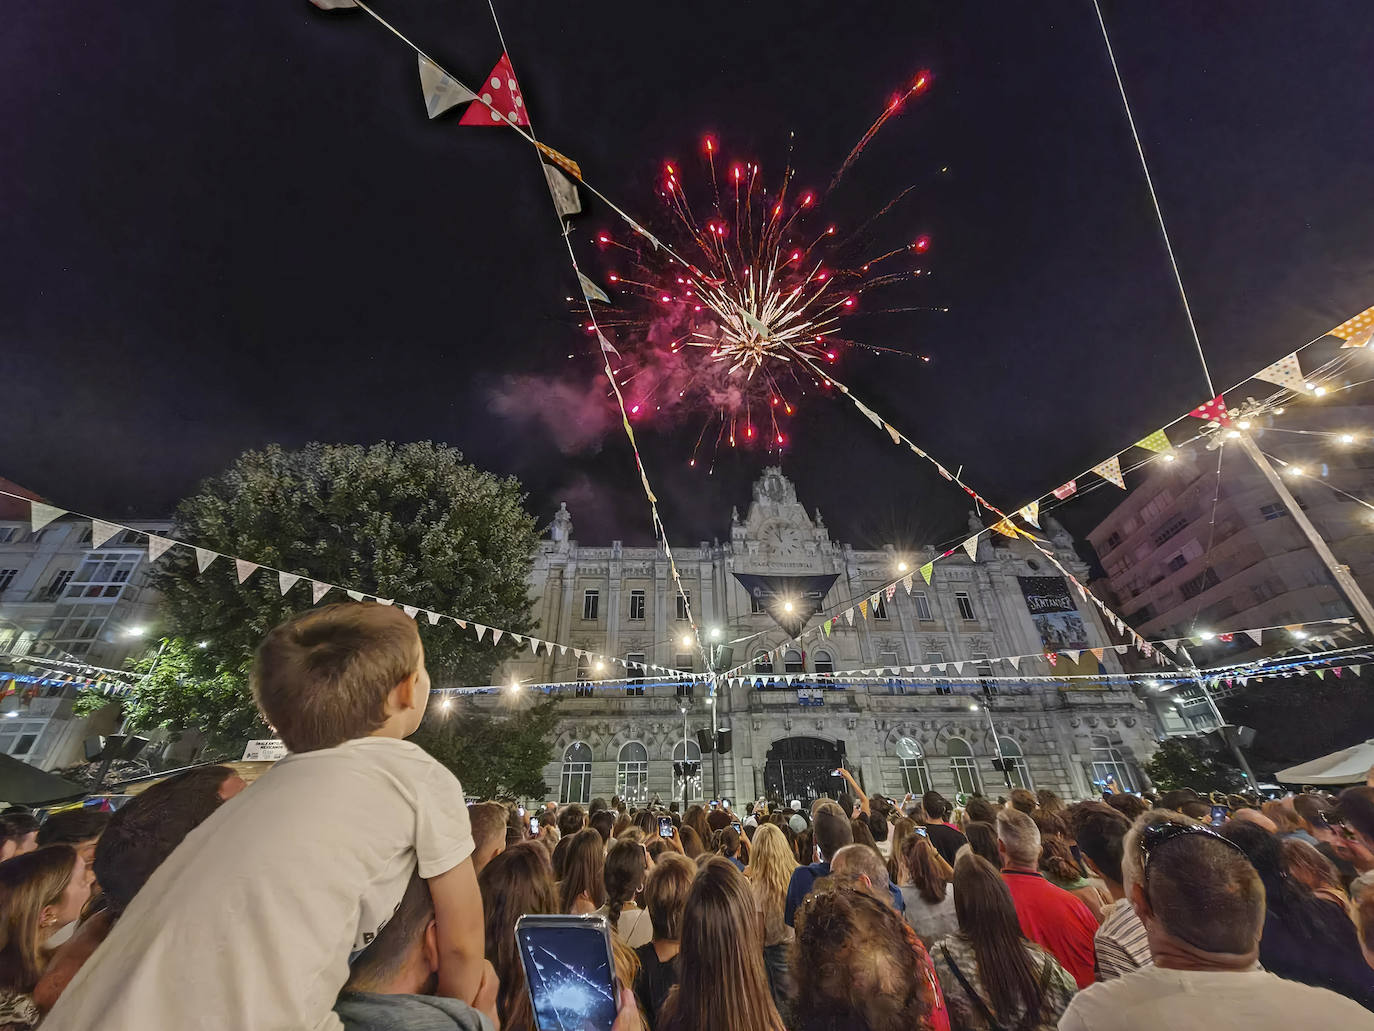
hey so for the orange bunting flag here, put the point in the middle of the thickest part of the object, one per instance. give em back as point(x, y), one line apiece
point(863, 608)
point(499, 102)
point(1356, 332)
point(1213, 411)
point(1006, 528)
point(561, 160)
point(1110, 470)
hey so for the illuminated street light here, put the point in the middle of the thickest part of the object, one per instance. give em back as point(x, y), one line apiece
point(973, 706)
point(1233, 434)
point(787, 606)
point(1207, 635)
point(715, 633)
point(599, 666)
point(447, 704)
point(1320, 392)
point(1294, 470)
point(1347, 438)
point(901, 567)
point(686, 640)
point(1244, 424)
point(136, 631)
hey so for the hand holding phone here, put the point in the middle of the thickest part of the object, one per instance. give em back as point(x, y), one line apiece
point(665, 826)
point(534, 826)
point(569, 971)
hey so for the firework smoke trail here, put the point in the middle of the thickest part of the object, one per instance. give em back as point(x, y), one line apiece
point(894, 105)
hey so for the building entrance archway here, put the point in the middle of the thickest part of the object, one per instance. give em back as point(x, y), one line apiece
point(799, 767)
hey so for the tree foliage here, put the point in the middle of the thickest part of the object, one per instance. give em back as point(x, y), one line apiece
point(411, 522)
point(493, 756)
point(1186, 763)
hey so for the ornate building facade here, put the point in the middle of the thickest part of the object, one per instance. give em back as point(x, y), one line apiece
point(792, 714)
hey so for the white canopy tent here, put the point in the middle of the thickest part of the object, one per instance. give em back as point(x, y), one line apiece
point(1348, 766)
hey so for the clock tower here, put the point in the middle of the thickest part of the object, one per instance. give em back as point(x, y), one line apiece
point(777, 536)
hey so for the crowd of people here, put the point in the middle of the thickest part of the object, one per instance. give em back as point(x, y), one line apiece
point(353, 886)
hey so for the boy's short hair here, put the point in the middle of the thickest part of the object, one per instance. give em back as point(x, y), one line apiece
point(323, 677)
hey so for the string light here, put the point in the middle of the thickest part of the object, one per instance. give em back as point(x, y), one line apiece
point(1294, 470)
point(1347, 438)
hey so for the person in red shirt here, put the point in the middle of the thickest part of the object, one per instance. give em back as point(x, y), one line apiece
point(1049, 915)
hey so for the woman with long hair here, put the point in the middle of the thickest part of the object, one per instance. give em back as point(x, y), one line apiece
point(695, 817)
point(1061, 869)
point(1305, 938)
point(902, 833)
point(583, 888)
point(39, 892)
point(982, 841)
point(929, 902)
point(1314, 870)
point(722, 982)
point(692, 845)
point(727, 844)
point(992, 975)
point(665, 896)
point(769, 874)
point(516, 882)
point(627, 866)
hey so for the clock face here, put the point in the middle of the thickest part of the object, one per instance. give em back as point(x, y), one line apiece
point(781, 538)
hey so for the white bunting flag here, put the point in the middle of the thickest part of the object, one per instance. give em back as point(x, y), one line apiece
point(245, 568)
point(567, 203)
point(1031, 514)
point(591, 291)
point(849, 615)
point(1286, 372)
point(204, 557)
point(606, 345)
point(481, 630)
point(1015, 661)
point(157, 547)
point(1255, 635)
point(1121, 649)
point(411, 610)
point(102, 531)
point(318, 590)
point(386, 601)
point(518, 639)
point(562, 649)
point(40, 515)
point(433, 618)
point(534, 646)
point(971, 546)
point(1071, 655)
point(958, 666)
point(355, 595)
point(906, 582)
point(286, 581)
point(441, 91)
point(496, 635)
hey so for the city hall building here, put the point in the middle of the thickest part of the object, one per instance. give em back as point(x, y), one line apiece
point(791, 712)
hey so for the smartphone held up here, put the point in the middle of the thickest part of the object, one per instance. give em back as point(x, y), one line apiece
point(569, 971)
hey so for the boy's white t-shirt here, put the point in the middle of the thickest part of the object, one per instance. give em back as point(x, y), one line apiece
point(249, 924)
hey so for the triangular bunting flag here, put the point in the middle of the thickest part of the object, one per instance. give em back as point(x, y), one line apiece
point(157, 547)
point(826, 626)
point(245, 568)
point(1052, 659)
point(1213, 411)
point(1359, 326)
point(927, 571)
point(1006, 528)
point(1354, 670)
point(591, 291)
point(896, 437)
point(355, 595)
point(1156, 442)
point(433, 618)
point(863, 608)
point(518, 639)
point(386, 601)
point(1286, 372)
point(891, 590)
point(849, 615)
point(318, 590)
point(1321, 674)
point(534, 645)
point(1255, 635)
point(333, 5)
point(1110, 470)
point(1015, 661)
point(971, 546)
point(567, 203)
point(440, 91)
point(1031, 514)
point(1098, 653)
point(1360, 339)
point(1063, 492)
point(1336, 672)
point(102, 531)
point(958, 666)
point(496, 635)
point(481, 630)
point(561, 160)
point(40, 515)
point(562, 649)
point(906, 582)
point(1071, 654)
point(286, 581)
point(606, 345)
point(411, 610)
point(502, 93)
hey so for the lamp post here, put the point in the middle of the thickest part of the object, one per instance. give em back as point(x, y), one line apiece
point(996, 741)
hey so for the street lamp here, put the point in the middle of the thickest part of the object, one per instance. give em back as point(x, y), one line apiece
point(135, 631)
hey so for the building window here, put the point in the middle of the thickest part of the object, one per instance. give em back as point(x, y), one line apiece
point(756, 606)
point(634, 669)
point(632, 772)
point(984, 669)
point(880, 607)
point(935, 658)
point(591, 604)
point(962, 766)
point(763, 664)
point(1274, 511)
point(18, 738)
point(684, 661)
point(637, 605)
point(686, 688)
point(1015, 763)
point(1203, 581)
point(687, 750)
point(1113, 540)
point(8, 533)
point(1176, 563)
point(59, 583)
point(823, 663)
point(1109, 768)
point(576, 784)
point(888, 660)
point(582, 669)
point(7, 577)
point(102, 575)
point(965, 604)
point(923, 612)
point(684, 601)
point(1172, 528)
point(792, 662)
point(912, 762)
point(87, 535)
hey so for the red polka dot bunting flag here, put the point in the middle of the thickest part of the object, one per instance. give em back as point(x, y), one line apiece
point(1213, 411)
point(502, 92)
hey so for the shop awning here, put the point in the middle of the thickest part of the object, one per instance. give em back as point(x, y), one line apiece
point(22, 784)
point(1348, 766)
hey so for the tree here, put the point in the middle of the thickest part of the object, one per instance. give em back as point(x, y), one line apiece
point(1183, 763)
point(493, 756)
point(410, 522)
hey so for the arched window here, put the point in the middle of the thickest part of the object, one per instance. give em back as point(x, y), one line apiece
point(1015, 763)
point(692, 754)
point(1109, 769)
point(576, 785)
point(792, 662)
point(823, 662)
point(962, 766)
point(915, 775)
point(763, 663)
point(632, 772)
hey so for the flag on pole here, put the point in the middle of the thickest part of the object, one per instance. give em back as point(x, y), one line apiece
point(441, 91)
point(1286, 372)
point(1110, 470)
point(1156, 442)
point(500, 101)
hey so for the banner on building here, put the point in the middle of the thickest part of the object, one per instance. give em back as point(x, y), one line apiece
point(1055, 615)
point(790, 600)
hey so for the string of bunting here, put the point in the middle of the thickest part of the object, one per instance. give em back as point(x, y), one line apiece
point(41, 514)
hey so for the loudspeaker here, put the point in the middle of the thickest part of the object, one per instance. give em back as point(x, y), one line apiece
point(1245, 736)
point(725, 657)
point(723, 740)
point(704, 741)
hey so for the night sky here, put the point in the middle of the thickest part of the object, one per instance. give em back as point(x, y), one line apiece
point(228, 224)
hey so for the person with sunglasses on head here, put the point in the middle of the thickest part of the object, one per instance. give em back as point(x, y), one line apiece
point(1202, 904)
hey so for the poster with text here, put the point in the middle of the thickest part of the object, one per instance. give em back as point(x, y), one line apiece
point(1056, 617)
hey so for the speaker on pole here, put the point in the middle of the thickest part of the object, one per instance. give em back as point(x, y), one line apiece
point(723, 740)
point(704, 741)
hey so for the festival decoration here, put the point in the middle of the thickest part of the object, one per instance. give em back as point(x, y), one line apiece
point(1110, 470)
point(1157, 442)
point(1286, 372)
point(440, 92)
point(501, 99)
point(1356, 332)
point(1213, 411)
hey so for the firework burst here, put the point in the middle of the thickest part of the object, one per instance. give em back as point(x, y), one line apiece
point(747, 306)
